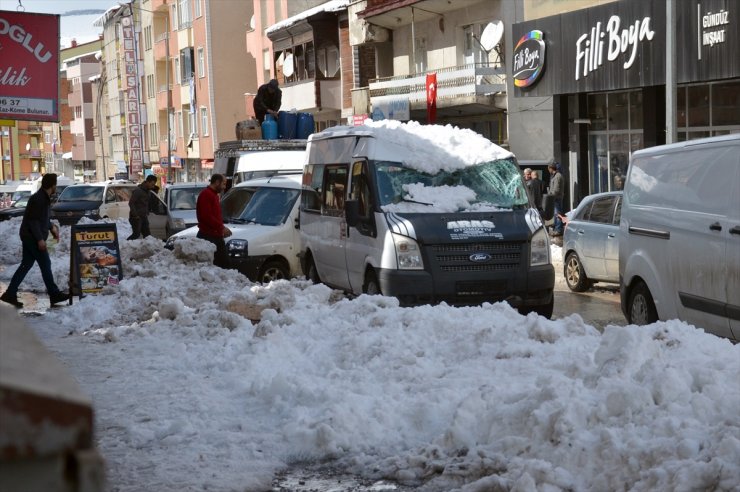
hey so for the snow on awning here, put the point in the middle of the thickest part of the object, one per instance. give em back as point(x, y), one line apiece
point(331, 6)
point(67, 155)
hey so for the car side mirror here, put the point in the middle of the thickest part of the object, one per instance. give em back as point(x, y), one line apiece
point(352, 212)
point(548, 206)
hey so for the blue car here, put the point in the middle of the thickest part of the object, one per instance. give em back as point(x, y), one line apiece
point(591, 242)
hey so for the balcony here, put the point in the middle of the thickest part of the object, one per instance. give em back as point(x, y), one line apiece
point(160, 47)
point(313, 95)
point(463, 90)
point(162, 98)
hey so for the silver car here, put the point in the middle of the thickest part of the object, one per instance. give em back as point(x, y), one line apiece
point(180, 199)
point(591, 241)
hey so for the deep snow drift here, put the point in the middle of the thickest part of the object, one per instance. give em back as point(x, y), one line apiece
point(191, 395)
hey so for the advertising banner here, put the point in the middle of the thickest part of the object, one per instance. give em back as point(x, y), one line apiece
point(133, 114)
point(95, 258)
point(391, 108)
point(29, 66)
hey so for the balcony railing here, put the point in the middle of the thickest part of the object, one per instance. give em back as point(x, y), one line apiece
point(452, 83)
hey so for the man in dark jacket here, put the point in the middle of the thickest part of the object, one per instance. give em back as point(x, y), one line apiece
point(534, 187)
point(34, 230)
point(557, 190)
point(268, 100)
point(210, 221)
point(138, 208)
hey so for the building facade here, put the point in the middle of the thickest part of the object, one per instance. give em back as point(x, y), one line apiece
point(605, 69)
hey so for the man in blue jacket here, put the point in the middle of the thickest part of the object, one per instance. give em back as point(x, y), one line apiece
point(35, 228)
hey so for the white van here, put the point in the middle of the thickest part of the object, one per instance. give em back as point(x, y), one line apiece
point(262, 215)
point(424, 213)
point(242, 160)
point(679, 245)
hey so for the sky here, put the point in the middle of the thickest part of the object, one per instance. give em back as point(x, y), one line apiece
point(79, 27)
point(202, 380)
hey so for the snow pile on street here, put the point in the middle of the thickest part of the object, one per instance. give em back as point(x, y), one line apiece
point(189, 393)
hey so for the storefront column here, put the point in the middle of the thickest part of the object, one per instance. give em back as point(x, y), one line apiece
point(653, 115)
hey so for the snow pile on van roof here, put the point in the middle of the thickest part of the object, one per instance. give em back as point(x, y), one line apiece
point(435, 148)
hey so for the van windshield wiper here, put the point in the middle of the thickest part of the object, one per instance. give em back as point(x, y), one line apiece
point(413, 201)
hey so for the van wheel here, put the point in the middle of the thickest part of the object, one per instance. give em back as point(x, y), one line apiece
point(273, 270)
point(641, 308)
point(575, 275)
point(371, 287)
point(546, 309)
point(312, 273)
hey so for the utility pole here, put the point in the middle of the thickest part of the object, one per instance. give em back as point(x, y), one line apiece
point(670, 72)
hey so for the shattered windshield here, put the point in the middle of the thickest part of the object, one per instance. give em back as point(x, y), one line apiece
point(488, 186)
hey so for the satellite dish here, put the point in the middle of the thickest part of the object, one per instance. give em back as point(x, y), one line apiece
point(288, 66)
point(252, 23)
point(491, 35)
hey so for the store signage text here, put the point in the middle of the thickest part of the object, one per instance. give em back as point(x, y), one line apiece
point(716, 23)
point(529, 59)
point(133, 121)
point(590, 47)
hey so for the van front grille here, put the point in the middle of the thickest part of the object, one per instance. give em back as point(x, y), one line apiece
point(498, 256)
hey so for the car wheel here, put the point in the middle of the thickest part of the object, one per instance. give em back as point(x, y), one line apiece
point(371, 287)
point(575, 275)
point(546, 309)
point(273, 270)
point(312, 273)
point(641, 308)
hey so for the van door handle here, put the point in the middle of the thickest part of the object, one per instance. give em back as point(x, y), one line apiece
point(715, 227)
point(735, 230)
point(581, 232)
point(611, 234)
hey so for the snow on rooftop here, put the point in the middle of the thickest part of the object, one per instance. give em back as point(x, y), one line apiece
point(190, 394)
point(331, 6)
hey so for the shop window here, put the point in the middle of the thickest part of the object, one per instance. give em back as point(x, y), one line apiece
point(635, 110)
point(597, 111)
point(726, 104)
point(698, 102)
point(681, 107)
point(618, 111)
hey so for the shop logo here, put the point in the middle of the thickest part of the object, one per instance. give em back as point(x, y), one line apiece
point(711, 28)
point(529, 59)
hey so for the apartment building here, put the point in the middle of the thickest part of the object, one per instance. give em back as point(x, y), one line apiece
point(80, 100)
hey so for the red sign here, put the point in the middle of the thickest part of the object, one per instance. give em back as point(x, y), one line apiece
point(29, 66)
point(359, 119)
point(431, 98)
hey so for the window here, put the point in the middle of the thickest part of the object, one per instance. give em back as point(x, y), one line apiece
point(266, 64)
point(150, 90)
point(174, 23)
point(204, 121)
point(360, 188)
point(153, 135)
point(196, 8)
point(177, 70)
point(335, 183)
point(311, 195)
point(78, 111)
point(193, 123)
point(420, 63)
point(178, 124)
point(148, 37)
point(183, 9)
point(601, 211)
point(201, 63)
point(328, 60)
point(47, 137)
point(186, 64)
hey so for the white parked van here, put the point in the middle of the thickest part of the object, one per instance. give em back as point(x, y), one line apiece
point(242, 160)
point(679, 246)
point(262, 215)
point(425, 214)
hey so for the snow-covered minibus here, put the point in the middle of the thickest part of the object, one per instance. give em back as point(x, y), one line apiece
point(424, 213)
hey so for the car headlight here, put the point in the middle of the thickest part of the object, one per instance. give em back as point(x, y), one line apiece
point(179, 223)
point(92, 212)
point(237, 248)
point(539, 253)
point(408, 253)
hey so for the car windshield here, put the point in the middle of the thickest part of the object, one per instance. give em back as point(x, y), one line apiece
point(18, 195)
point(495, 184)
point(184, 198)
point(82, 193)
point(22, 202)
point(269, 206)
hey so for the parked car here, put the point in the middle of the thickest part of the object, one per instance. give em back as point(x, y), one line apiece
point(107, 199)
point(15, 210)
point(262, 215)
point(591, 242)
point(679, 237)
point(180, 199)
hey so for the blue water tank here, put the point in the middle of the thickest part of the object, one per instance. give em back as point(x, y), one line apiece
point(305, 125)
point(286, 124)
point(269, 128)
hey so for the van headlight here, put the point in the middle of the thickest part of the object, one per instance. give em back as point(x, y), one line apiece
point(178, 223)
point(539, 253)
point(237, 248)
point(408, 253)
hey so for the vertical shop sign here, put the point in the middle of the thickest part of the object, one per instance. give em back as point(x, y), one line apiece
point(431, 98)
point(133, 122)
point(29, 66)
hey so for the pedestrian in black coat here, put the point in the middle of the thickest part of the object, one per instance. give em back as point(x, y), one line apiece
point(268, 100)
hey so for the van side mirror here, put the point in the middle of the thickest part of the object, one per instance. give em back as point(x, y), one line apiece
point(548, 206)
point(352, 212)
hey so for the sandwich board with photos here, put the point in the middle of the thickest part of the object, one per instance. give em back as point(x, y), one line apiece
point(94, 260)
